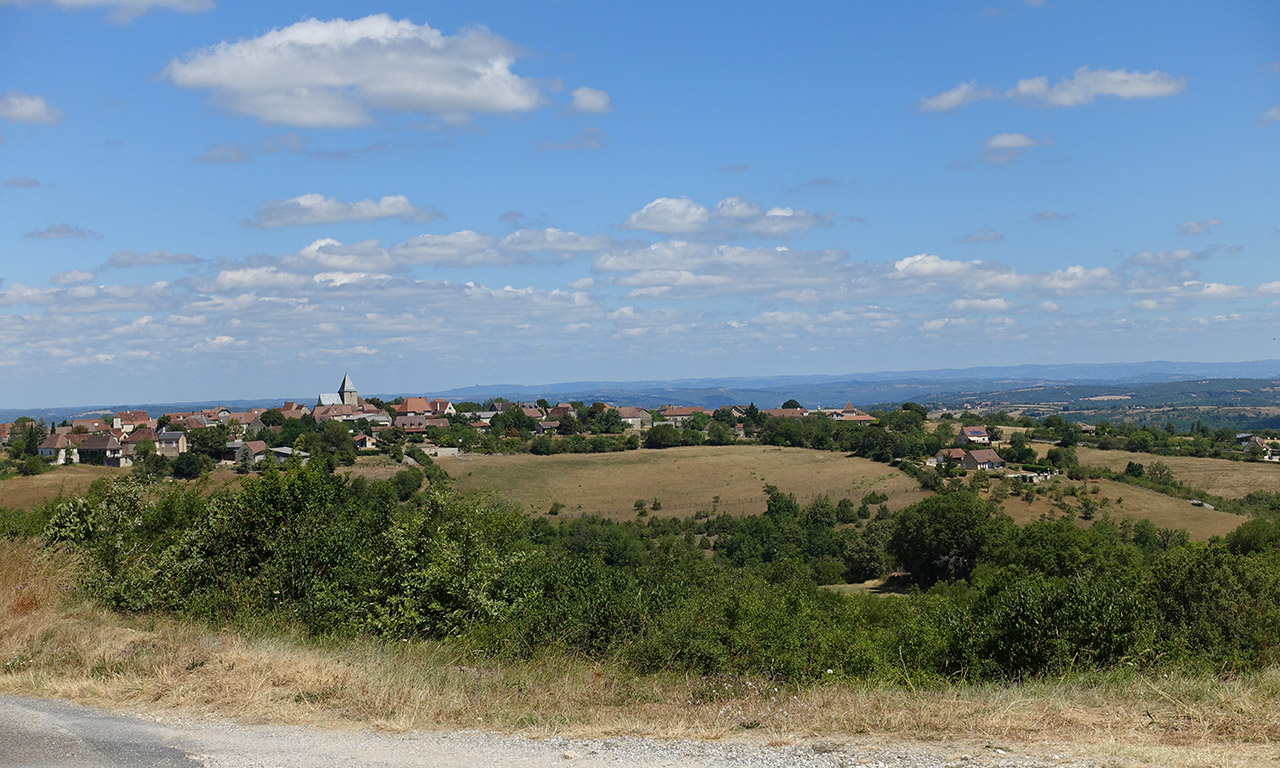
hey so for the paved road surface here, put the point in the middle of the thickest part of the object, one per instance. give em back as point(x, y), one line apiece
point(39, 733)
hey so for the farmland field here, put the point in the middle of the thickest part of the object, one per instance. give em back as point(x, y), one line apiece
point(28, 492)
point(684, 480)
point(1221, 477)
point(1137, 503)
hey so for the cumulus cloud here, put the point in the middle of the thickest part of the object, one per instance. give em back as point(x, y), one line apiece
point(60, 232)
point(26, 108)
point(731, 216)
point(1167, 259)
point(670, 215)
point(590, 100)
point(1083, 86)
point(980, 305)
point(554, 240)
point(985, 236)
point(72, 277)
point(1006, 147)
point(964, 93)
point(317, 209)
point(335, 74)
point(1077, 279)
point(149, 258)
point(1198, 227)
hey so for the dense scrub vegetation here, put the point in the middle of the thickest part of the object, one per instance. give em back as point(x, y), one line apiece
point(706, 594)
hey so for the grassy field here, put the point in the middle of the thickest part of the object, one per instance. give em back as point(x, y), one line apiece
point(27, 492)
point(1135, 504)
point(1220, 477)
point(54, 644)
point(684, 480)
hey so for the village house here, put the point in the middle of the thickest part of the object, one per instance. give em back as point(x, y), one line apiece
point(425, 406)
point(785, 413)
point(635, 418)
point(973, 436)
point(102, 449)
point(679, 414)
point(983, 458)
point(58, 449)
point(171, 443)
point(953, 455)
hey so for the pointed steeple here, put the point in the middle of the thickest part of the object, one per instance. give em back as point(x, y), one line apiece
point(347, 392)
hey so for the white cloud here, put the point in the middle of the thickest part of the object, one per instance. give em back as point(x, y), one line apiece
point(25, 108)
point(1006, 147)
point(590, 100)
point(937, 324)
point(985, 236)
point(731, 216)
point(980, 305)
point(964, 93)
point(1048, 215)
point(464, 248)
point(318, 209)
point(555, 240)
point(256, 278)
point(72, 277)
point(1082, 87)
point(1168, 259)
point(670, 215)
point(1270, 116)
point(1198, 227)
point(1049, 306)
point(1077, 279)
point(927, 266)
point(1085, 85)
point(336, 73)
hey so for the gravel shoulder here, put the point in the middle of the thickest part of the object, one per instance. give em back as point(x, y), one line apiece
point(39, 732)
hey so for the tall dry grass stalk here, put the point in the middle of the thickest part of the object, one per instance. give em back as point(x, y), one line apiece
point(55, 643)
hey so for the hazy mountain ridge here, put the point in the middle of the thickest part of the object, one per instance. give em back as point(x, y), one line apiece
point(947, 387)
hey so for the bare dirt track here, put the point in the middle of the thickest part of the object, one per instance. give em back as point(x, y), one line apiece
point(41, 732)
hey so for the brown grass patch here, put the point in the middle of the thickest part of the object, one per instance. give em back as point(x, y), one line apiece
point(29, 492)
point(1133, 503)
point(60, 646)
point(1221, 477)
point(685, 480)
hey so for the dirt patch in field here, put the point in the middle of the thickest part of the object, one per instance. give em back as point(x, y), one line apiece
point(683, 480)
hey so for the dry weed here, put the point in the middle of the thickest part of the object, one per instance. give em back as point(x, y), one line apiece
point(54, 643)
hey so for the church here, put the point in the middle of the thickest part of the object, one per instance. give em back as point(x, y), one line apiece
point(346, 405)
point(346, 395)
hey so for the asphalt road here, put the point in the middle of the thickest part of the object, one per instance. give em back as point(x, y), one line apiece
point(35, 733)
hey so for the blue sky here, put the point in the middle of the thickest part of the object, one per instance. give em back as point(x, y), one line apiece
point(210, 199)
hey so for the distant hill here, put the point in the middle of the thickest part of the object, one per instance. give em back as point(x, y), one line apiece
point(1148, 384)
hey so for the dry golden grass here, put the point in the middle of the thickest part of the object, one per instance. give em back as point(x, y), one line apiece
point(685, 480)
point(1221, 477)
point(28, 492)
point(53, 644)
point(1135, 504)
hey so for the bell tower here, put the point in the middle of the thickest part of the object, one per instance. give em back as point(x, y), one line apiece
point(348, 391)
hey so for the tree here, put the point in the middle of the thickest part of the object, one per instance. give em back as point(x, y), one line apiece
point(793, 403)
point(190, 465)
point(272, 417)
point(662, 436)
point(610, 422)
point(942, 537)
